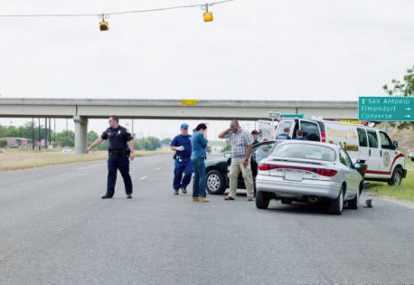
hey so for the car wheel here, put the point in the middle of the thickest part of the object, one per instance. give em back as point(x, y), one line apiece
point(262, 200)
point(337, 205)
point(216, 183)
point(354, 202)
point(396, 177)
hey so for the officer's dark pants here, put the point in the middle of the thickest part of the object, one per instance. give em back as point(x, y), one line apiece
point(122, 163)
point(182, 167)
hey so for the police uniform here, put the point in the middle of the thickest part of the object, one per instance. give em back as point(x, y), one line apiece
point(183, 164)
point(118, 158)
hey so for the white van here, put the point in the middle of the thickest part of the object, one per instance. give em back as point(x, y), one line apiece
point(364, 144)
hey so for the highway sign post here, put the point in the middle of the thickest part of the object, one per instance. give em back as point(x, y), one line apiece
point(386, 108)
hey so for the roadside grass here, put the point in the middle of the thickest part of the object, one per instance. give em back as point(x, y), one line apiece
point(403, 192)
point(16, 160)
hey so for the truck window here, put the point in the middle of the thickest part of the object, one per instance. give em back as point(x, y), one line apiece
point(372, 139)
point(386, 142)
point(362, 136)
point(310, 131)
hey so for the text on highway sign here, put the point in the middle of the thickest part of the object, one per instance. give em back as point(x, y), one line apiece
point(386, 108)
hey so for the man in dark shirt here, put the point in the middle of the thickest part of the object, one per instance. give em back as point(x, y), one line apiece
point(120, 150)
point(181, 144)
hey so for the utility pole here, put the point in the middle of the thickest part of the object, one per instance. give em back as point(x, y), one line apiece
point(33, 134)
point(39, 134)
point(46, 133)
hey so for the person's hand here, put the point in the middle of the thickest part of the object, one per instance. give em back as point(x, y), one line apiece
point(245, 162)
point(132, 155)
point(180, 148)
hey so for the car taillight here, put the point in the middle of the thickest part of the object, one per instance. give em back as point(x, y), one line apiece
point(323, 136)
point(320, 171)
point(326, 172)
point(267, 167)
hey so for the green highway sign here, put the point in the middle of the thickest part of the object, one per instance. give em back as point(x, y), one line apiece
point(386, 108)
point(291, 116)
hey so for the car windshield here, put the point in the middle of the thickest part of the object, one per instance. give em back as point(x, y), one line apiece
point(304, 151)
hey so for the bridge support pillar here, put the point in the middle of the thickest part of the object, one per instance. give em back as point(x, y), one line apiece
point(81, 134)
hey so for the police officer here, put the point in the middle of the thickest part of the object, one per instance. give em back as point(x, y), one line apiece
point(181, 144)
point(121, 149)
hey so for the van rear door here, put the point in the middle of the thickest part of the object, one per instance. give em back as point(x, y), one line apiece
point(374, 161)
point(387, 151)
point(311, 131)
point(363, 148)
point(285, 127)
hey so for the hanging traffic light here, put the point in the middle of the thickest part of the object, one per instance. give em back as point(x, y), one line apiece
point(103, 24)
point(208, 15)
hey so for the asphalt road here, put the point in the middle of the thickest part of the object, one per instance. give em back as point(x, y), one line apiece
point(55, 229)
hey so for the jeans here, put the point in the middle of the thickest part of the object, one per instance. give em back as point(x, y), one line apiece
point(182, 167)
point(200, 182)
point(121, 163)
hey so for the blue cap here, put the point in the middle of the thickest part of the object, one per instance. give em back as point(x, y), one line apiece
point(184, 126)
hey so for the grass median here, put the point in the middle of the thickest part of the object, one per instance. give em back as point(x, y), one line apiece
point(15, 160)
point(404, 192)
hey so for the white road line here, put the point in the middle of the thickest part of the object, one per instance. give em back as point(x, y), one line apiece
point(143, 178)
point(406, 204)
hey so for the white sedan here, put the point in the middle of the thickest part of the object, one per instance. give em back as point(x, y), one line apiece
point(309, 172)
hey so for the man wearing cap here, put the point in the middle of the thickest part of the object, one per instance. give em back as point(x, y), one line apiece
point(121, 149)
point(183, 170)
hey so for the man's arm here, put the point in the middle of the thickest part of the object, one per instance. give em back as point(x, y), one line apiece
point(175, 147)
point(98, 141)
point(131, 145)
point(224, 133)
point(249, 150)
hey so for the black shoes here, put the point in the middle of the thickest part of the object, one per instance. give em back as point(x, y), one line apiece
point(229, 198)
point(110, 197)
point(176, 192)
point(184, 190)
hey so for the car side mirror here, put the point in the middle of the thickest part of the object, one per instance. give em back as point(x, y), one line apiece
point(361, 168)
point(395, 144)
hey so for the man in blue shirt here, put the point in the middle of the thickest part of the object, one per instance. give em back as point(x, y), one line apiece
point(183, 170)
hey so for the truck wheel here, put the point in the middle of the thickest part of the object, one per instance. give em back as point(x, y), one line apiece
point(396, 177)
point(262, 200)
point(337, 205)
point(216, 183)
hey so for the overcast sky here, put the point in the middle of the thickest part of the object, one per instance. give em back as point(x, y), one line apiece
point(255, 49)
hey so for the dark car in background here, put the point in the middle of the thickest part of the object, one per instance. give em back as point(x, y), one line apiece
point(218, 169)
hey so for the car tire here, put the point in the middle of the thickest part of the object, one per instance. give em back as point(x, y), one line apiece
point(337, 205)
point(262, 200)
point(354, 202)
point(396, 177)
point(216, 183)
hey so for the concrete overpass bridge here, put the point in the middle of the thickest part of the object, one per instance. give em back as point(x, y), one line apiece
point(82, 109)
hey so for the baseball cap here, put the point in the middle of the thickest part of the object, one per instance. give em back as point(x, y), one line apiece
point(184, 126)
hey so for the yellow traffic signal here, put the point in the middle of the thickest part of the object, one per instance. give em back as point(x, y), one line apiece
point(208, 16)
point(103, 24)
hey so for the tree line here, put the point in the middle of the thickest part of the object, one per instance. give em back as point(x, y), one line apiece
point(66, 138)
